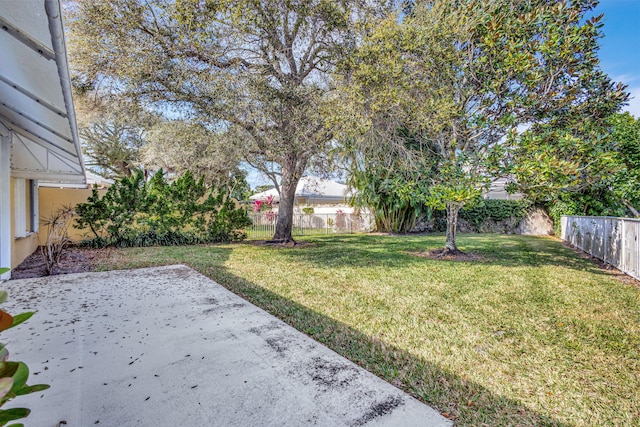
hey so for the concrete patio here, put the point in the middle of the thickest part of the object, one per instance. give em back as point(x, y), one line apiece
point(167, 346)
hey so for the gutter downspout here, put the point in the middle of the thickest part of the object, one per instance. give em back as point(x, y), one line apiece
point(57, 39)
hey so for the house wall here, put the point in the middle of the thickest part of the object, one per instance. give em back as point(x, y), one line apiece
point(6, 205)
point(21, 247)
point(52, 199)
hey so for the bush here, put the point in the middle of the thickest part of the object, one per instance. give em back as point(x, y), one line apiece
point(13, 375)
point(483, 216)
point(57, 237)
point(134, 212)
point(496, 210)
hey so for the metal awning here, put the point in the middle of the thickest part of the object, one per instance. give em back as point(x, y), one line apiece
point(35, 93)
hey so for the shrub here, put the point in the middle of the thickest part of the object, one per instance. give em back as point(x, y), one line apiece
point(57, 237)
point(134, 212)
point(13, 375)
point(486, 212)
point(496, 210)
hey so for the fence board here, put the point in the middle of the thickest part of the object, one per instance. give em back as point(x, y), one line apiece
point(614, 240)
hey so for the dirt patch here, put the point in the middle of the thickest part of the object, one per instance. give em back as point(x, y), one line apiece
point(437, 254)
point(73, 260)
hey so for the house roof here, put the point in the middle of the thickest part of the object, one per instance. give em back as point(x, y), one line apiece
point(312, 188)
point(35, 93)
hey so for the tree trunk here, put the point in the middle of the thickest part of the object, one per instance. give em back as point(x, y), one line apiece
point(633, 210)
point(290, 179)
point(450, 247)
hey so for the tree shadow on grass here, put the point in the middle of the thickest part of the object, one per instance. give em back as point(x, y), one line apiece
point(466, 402)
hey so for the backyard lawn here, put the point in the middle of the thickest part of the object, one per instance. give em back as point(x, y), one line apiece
point(530, 334)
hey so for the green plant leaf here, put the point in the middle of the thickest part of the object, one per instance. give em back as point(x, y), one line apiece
point(16, 425)
point(7, 415)
point(4, 353)
point(20, 377)
point(20, 318)
point(3, 296)
point(32, 389)
point(5, 386)
point(4, 270)
point(8, 369)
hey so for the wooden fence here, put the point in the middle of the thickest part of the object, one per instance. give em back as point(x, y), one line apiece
point(615, 241)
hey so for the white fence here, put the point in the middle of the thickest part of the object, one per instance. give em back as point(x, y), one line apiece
point(264, 224)
point(616, 241)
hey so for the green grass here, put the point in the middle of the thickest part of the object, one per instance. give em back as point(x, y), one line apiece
point(531, 335)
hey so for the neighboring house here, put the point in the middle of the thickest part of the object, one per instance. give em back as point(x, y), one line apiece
point(39, 142)
point(497, 190)
point(324, 195)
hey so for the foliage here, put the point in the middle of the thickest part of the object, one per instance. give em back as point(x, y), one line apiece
point(496, 210)
point(625, 181)
point(13, 375)
point(255, 70)
point(486, 213)
point(591, 202)
point(582, 171)
point(57, 237)
point(384, 183)
point(178, 146)
point(113, 134)
point(134, 212)
point(308, 210)
point(550, 160)
point(462, 76)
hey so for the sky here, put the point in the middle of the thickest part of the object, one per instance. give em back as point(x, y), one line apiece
point(620, 47)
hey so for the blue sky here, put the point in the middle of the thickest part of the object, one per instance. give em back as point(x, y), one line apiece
point(620, 48)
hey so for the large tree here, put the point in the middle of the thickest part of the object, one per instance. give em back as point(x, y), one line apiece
point(462, 76)
point(625, 182)
point(255, 69)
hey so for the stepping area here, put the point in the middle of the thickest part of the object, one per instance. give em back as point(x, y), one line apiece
point(167, 346)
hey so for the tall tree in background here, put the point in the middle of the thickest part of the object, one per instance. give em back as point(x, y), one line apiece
point(625, 131)
point(112, 140)
point(182, 145)
point(462, 76)
point(582, 168)
point(256, 69)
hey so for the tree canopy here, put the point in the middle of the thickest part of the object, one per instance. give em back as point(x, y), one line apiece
point(463, 76)
point(254, 69)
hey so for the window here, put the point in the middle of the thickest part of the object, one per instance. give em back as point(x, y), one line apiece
point(26, 206)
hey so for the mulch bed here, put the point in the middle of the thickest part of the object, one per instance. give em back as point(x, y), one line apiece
point(73, 260)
